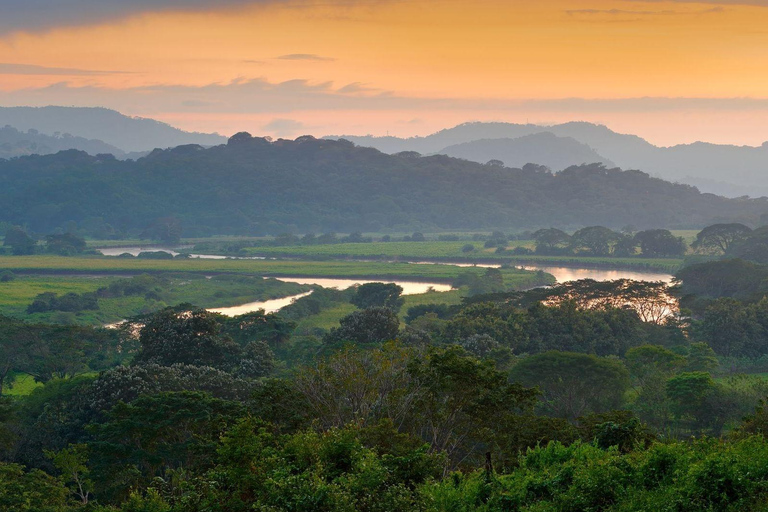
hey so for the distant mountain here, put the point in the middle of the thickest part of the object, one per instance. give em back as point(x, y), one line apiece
point(715, 168)
point(255, 186)
point(543, 148)
point(129, 134)
point(16, 143)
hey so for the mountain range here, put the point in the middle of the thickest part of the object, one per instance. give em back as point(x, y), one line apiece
point(255, 186)
point(720, 169)
point(85, 128)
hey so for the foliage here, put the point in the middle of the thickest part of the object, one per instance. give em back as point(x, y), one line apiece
point(334, 186)
point(188, 337)
point(370, 326)
point(378, 295)
point(720, 237)
point(574, 384)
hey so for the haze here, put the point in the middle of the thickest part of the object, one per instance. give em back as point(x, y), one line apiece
point(671, 72)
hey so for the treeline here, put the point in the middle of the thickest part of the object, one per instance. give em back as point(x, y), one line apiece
point(191, 424)
point(18, 242)
point(252, 186)
point(601, 241)
point(581, 396)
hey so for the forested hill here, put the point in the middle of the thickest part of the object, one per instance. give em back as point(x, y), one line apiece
point(252, 185)
point(129, 134)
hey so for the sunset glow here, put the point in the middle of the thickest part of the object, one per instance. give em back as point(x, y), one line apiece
point(410, 67)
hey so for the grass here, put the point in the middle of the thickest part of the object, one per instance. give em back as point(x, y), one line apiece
point(21, 385)
point(343, 269)
point(16, 295)
point(453, 251)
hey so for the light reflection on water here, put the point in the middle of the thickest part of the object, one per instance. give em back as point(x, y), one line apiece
point(562, 274)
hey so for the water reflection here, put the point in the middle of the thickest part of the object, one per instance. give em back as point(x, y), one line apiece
point(409, 287)
point(565, 274)
point(269, 306)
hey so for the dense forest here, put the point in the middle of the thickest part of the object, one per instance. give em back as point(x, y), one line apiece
point(585, 396)
point(257, 186)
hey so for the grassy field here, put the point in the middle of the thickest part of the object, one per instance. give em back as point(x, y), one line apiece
point(16, 295)
point(453, 251)
point(353, 269)
point(21, 385)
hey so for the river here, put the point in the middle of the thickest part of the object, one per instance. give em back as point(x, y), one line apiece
point(562, 274)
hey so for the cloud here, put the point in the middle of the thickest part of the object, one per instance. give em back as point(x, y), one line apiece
point(758, 3)
point(624, 12)
point(356, 88)
point(259, 96)
point(306, 56)
point(37, 15)
point(283, 127)
point(31, 69)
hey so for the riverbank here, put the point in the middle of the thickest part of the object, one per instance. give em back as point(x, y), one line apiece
point(449, 252)
point(446, 274)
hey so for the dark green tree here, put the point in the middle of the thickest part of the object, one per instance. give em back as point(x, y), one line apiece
point(720, 237)
point(19, 241)
point(187, 337)
point(574, 384)
point(371, 295)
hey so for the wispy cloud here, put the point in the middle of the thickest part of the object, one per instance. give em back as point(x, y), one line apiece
point(31, 69)
point(283, 127)
point(37, 15)
point(642, 13)
point(759, 3)
point(260, 96)
point(306, 56)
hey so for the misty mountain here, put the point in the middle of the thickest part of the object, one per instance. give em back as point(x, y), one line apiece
point(129, 134)
point(15, 143)
point(544, 148)
point(716, 168)
point(256, 186)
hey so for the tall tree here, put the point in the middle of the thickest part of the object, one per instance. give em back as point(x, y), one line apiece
point(720, 237)
point(595, 240)
point(574, 384)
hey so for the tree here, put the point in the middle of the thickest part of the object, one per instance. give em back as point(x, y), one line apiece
point(689, 393)
point(259, 326)
point(30, 491)
point(462, 399)
point(371, 295)
point(72, 463)
point(648, 361)
point(727, 327)
point(753, 247)
point(165, 229)
point(19, 241)
point(551, 241)
point(625, 245)
point(574, 384)
point(701, 358)
point(188, 337)
point(720, 237)
point(595, 240)
point(360, 386)
point(257, 360)
point(139, 441)
point(659, 243)
point(127, 383)
point(65, 245)
point(366, 327)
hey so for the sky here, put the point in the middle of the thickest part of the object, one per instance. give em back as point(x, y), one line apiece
point(670, 71)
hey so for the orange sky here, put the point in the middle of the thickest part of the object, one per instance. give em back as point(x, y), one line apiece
point(411, 67)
